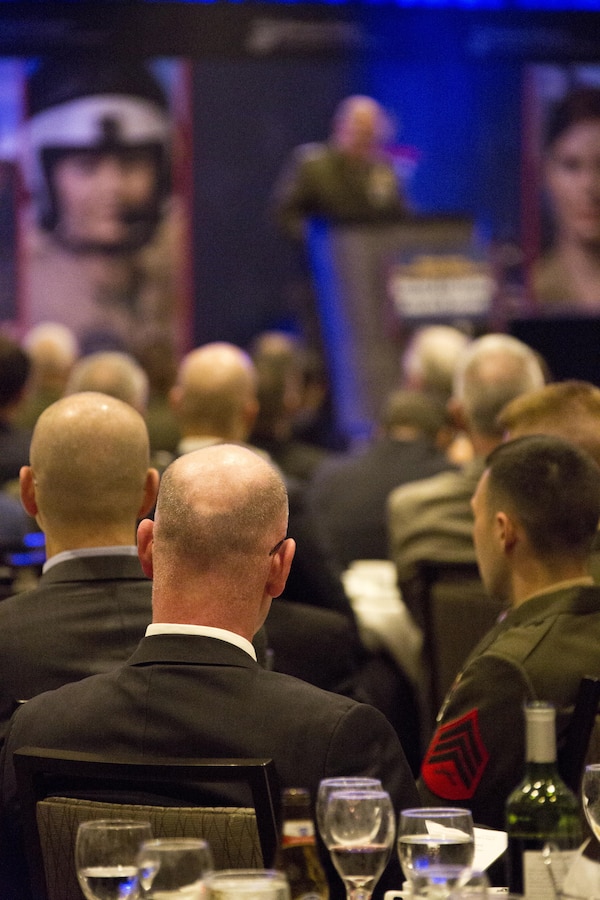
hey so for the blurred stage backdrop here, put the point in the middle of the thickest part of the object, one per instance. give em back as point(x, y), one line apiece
point(246, 82)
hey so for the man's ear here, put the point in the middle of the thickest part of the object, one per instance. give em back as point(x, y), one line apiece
point(506, 530)
point(150, 492)
point(281, 564)
point(145, 545)
point(27, 488)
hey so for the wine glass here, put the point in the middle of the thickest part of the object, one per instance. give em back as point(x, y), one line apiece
point(342, 783)
point(435, 836)
point(247, 884)
point(359, 830)
point(174, 867)
point(106, 858)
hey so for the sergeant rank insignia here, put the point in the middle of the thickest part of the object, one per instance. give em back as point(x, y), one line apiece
point(456, 759)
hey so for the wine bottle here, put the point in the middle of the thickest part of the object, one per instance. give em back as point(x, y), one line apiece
point(541, 809)
point(297, 854)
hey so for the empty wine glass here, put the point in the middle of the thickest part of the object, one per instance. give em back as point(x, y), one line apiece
point(106, 853)
point(359, 829)
point(435, 836)
point(342, 783)
point(174, 867)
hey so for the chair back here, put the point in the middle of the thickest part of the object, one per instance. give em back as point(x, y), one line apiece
point(455, 613)
point(582, 739)
point(58, 790)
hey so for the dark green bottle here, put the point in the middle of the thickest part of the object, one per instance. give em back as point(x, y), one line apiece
point(541, 809)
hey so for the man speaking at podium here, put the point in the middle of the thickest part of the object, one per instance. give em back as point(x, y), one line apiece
point(349, 179)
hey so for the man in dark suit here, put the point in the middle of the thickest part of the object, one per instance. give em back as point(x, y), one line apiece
point(348, 494)
point(217, 552)
point(88, 483)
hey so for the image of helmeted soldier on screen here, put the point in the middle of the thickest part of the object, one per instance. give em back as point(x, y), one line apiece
point(102, 234)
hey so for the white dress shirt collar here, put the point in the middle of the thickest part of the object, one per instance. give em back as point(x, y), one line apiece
point(88, 551)
point(205, 631)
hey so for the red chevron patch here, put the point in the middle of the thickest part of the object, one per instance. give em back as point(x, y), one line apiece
point(456, 759)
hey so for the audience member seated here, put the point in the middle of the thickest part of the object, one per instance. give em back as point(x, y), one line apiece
point(536, 511)
point(428, 364)
point(114, 373)
point(279, 367)
point(88, 483)
point(158, 360)
point(315, 420)
point(567, 409)
point(217, 552)
point(430, 359)
point(432, 519)
point(52, 349)
point(347, 495)
point(214, 397)
point(15, 369)
point(215, 400)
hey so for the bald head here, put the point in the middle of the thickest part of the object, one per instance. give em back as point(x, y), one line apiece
point(89, 478)
point(215, 394)
point(360, 126)
point(113, 373)
point(216, 554)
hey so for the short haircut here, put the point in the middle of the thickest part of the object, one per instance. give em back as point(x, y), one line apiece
point(553, 488)
point(15, 367)
point(413, 409)
point(567, 409)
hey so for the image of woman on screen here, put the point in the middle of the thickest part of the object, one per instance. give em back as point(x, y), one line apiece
point(568, 274)
point(100, 236)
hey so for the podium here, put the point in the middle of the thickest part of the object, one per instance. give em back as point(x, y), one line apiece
point(374, 283)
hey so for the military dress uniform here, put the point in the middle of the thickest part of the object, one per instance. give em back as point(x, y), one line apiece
point(320, 180)
point(539, 651)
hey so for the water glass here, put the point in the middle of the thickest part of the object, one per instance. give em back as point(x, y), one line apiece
point(247, 884)
point(106, 852)
point(174, 867)
point(433, 837)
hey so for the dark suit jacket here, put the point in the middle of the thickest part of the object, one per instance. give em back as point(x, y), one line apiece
point(348, 494)
point(317, 645)
point(192, 696)
point(85, 616)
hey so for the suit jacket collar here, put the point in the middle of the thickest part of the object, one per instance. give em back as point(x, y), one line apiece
point(94, 568)
point(189, 649)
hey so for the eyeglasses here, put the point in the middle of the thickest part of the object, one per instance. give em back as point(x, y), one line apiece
point(274, 550)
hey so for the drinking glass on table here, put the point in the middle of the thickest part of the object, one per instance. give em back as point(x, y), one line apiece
point(341, 783)
point(174, 867)
point(435, 837)
point(106, 853)
point(247, 884)
point(359, 829)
